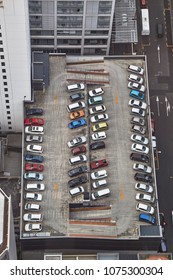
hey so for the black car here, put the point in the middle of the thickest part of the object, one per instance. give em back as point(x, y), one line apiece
point(34, 111)
point(34, 158)
point(77, 96)
point(77, 181)
point(143, 177)
point(97, 145)
point(139, 157)
point(77, 171)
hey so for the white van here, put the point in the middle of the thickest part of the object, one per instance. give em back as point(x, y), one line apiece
point(100, 194)
point(76, 87)
point(75, 106)
point(35, 187)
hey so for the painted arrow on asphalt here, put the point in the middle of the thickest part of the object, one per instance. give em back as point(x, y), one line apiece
point(168, 107)
point(158, 108)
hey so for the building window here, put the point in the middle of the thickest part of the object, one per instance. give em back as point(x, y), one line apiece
point(8, 112)
point(7, 107)
point(7, 101)
point(6, 95)
point(5, 83)
point(9, 122)
point(5, 89)
point(3, 70)
point(1, 49)
point(2, 57)
point(10, 127)
point(4, 77)
point(2, 63)
point(0, 34)
point(0, 42)
point(8, 118)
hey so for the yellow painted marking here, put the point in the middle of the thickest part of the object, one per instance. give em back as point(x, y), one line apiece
point(55, 99)
point(121, 195)
point(56, 186)
point(116, 99)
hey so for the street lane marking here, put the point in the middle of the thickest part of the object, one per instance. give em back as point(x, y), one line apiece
point(116, 99)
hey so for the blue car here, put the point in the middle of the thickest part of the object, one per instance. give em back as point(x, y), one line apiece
point(34, 158)
point(147, 218)
point(136, 94)
point(77, 123)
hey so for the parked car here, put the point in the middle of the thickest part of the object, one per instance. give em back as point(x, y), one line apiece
point(33, 196)
point(143, 177)
point(77, 181)
point(74, 87)
point(33, 176)
point(163, 245)
point(98, 118)
point(139, 157)
point(78, 159)
point(76, 191)
point(95, 100)
point(34, 158)
point(33, 217)
point(100, 126)
point(136, 79)
point(32, 207)
point(98, 163)
point(138, 104)
point(97, 109)
point(34, 138)
point(77, 123)
point(34, 167)
point(147, 218)
point(138, 121)
point(146, 208)
point(34, 148)
point(77, 171)
point(34, 121)
point(97, 145)
point(99, 184)
point(75, 106)
point(99, 174)
point(98, 135)
point(138, 112)
point(76, 97)
point(136, 86)
point(142, 168)
point(34, 130)
point(34, 111)
point(33, 227)
point(145, 197)
point(35, 187)
point(96, 92)
point(137, 94)
point(144, 188)
point(100, 194)
point(77, 114)
point(154, 144)
point(139, 139)
point(136, 69)
point(138, 129)
point(140, 148)
point(76, 141)
point(78, 150)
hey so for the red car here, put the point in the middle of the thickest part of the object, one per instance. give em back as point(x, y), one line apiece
point(34, 121)
point(34, 167)
point(98, 163)
point(78, 150)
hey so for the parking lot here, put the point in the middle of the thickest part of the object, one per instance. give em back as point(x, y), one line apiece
point(114, 216)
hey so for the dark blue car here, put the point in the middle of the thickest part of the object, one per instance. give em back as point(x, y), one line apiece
point(34, 111)
point(34, 158)
point(77, 123)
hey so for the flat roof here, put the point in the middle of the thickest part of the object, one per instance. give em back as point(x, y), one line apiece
point(116, 215)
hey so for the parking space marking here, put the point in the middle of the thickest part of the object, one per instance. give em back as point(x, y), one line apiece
point(56, 186)
point(55, 100)
point(116, 99)
point(121, 195)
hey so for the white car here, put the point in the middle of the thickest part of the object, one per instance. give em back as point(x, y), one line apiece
point(136, 69)
point(99, 174)
point(99, 184)
point(138, 121)
point(154, 142)
point(98, 118)
point(146, 208)
point(138, 112)
point(145, 197)
point(96, 92)
point(98, 135)
point(33, 227)
point(76, 141)
point(76, 87)
point(140, 148)
point(76, 191)
point(34, 138)
point(136, 86)
point(144, 188)
point(78, 159)
point(34, 130)
point(33, 196)
point(97, 109)
point(32, 217)
point(135, 78)
point(139, 139)
point(142, 167)
point(32, 207)
point(138, 129)
point(34, 148)
point(138, 104)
